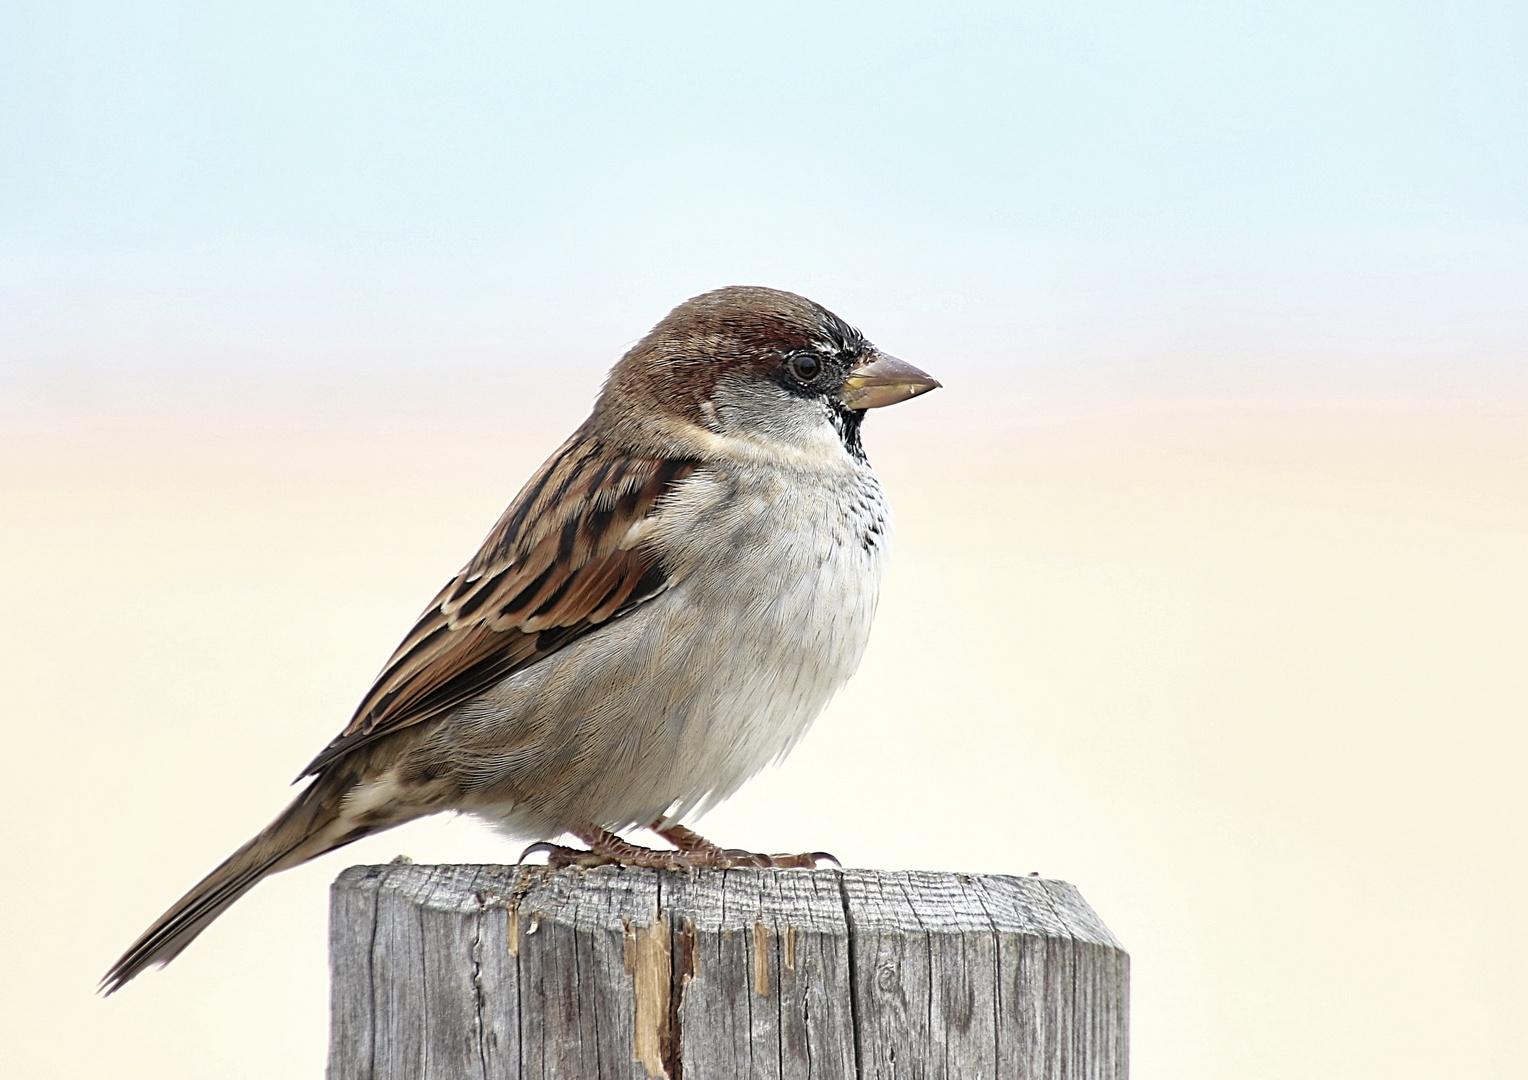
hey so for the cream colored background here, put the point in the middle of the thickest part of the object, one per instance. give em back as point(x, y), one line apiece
point(1251, 674)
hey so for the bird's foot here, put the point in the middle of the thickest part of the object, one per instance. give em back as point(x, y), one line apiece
point(608, 849)
point(558, 856)
point(699, 851)
point(697, 848)
point(615, 849)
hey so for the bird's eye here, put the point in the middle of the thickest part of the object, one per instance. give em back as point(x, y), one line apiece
point(804, 366)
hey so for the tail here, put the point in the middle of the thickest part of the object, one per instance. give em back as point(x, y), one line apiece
point(313, 824)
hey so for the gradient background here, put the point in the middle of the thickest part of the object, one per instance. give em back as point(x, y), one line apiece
point(1210, 593)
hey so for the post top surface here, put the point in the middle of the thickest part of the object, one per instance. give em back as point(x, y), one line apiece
point(823, 901)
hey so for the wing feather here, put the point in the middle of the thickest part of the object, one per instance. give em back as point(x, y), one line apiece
point(566, 557)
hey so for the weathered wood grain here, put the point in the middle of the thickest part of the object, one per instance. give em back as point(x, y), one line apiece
point(495, 972)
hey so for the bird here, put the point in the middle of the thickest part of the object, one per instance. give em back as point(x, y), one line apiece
point(661, 612)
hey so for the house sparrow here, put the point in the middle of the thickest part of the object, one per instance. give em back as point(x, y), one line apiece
point(661, 612)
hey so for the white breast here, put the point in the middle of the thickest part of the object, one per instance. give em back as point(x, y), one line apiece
point(776, 606)
point(671, 708)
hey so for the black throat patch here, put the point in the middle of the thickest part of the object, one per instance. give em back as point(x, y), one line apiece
point(846, 422)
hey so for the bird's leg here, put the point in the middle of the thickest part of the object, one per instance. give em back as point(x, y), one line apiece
point(702, 852)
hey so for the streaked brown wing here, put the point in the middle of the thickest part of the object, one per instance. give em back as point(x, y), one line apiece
point(566, 557)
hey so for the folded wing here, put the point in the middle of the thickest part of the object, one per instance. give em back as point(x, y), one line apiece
point(566, 557)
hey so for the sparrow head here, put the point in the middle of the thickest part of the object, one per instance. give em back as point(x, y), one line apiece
point(761, 363)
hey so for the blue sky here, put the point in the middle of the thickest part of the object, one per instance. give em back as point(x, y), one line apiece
point(209, 187)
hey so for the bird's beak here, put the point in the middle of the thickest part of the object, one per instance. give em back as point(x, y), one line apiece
point(884, 380)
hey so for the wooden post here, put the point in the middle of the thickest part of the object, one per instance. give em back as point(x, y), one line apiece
point(498, 972)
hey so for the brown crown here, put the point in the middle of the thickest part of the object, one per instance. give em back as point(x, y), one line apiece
point(676, 366)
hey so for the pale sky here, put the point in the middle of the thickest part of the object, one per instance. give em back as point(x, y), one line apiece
point(1237, 192)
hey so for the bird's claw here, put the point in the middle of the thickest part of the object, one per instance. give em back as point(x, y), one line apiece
point(558, 856)
point(805, 861)
point(702, 852)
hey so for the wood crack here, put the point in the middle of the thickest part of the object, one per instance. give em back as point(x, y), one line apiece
point(855, 1024)
point(479, 1021)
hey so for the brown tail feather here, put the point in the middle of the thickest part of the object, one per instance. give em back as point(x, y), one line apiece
point(304, 830)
